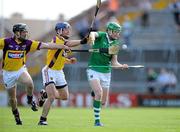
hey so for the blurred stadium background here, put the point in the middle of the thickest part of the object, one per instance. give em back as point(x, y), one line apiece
point(155, 46)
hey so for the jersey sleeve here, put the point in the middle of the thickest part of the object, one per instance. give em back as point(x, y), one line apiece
point(116, 42)
point(35, 45)
point(100, 34)
point(1, 43)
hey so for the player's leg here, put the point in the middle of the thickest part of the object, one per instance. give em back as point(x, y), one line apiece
point(9, 79)
point(96, 87)
point(61, 86)
point(94, 81)
point(48, 77)
point(105, 83)
point(26, 79)
point(51, 95)
point(102, 85)
point(13, 103)
point(63, 92)
point(105, 96)
point(58, 92)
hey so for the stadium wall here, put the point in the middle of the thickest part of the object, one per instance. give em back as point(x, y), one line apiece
point(126, 100)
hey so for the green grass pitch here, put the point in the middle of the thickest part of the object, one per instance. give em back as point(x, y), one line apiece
point(81, 120)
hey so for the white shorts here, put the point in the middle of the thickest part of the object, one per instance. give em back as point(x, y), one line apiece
point(10, 77)
point(104, 78)
point(53, 76)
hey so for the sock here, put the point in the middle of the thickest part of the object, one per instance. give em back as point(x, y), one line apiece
point(43, 118)
point(29, 99)
point(97, 109)
point(16, 114)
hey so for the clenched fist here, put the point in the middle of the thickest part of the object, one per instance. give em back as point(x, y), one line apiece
point(73, 60)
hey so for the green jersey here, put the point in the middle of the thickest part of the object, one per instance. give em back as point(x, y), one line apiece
point(102, 59)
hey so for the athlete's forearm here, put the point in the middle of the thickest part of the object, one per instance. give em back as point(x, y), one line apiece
point(114, 62)
point(53, 46)
point(72, 43)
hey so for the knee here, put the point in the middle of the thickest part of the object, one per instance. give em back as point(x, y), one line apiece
point(64, 97)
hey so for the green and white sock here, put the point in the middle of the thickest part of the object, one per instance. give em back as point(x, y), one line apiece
point(97, 109)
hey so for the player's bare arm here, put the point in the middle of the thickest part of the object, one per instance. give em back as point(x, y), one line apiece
point(116, 64)
point(53, 46)
point(73, 43)
point(85, 40)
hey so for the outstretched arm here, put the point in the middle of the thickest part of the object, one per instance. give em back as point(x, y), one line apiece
point(53, 46)
point(73, 43)
point(86, 40)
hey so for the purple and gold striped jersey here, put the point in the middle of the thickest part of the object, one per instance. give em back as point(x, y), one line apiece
point(14, 53)
point(56, 58)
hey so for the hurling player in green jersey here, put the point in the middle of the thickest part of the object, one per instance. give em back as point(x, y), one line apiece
point(99, 77)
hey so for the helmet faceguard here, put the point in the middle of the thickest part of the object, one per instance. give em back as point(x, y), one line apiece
point(60, 27)
point(20, 30)
point(113, 29)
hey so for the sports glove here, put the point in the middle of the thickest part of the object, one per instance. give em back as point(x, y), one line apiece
point(84, 40)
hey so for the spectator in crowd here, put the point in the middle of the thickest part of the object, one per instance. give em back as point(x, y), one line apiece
point(61, 18)
point(175, 8)
point(151, 79)
point(113, 19)
point(172, 81)
point(163, 80)
point(145, 6)
point(113, 8)
point(127, 30)
point(96, 25)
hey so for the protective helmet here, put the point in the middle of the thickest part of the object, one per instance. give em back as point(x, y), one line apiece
point(19, 27)
point(114, 27)
point(62, 25)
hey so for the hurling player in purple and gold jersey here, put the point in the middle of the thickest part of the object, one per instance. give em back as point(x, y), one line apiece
point(15, 49)
point(53, 75)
